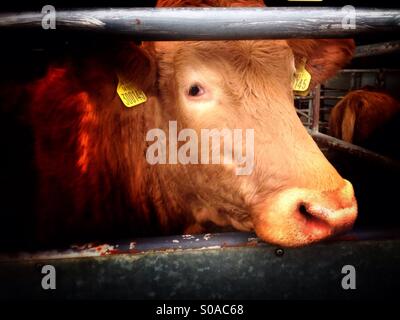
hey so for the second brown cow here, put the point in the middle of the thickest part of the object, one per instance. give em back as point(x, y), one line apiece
point(368, 118)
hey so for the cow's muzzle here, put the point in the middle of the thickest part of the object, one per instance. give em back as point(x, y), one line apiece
point(298, 216)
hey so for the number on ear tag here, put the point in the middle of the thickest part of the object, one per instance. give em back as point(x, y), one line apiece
point(302, 79)
point(129, 94)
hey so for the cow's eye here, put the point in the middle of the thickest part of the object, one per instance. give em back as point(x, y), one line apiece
point(195, 90)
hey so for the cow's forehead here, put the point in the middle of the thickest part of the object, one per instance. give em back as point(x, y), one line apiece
point(222, 45)
point(225, 50)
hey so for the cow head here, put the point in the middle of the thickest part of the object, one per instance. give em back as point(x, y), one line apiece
point(293, 196)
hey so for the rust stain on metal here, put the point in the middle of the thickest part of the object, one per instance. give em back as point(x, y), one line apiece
point(252, 243)
point(116, 251)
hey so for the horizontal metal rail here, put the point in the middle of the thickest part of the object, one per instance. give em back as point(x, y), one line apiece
point(178, 243)
point(377, 49)
point(367, 71)
point(215, 23)
point(322, 97)
point(304, 114)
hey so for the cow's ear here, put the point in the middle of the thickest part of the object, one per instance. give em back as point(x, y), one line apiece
point(324, 57)
point(137, 65)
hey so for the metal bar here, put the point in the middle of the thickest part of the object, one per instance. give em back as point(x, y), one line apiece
point(303, 98)
point(349, 149)
point(316, 108)
point(368, 70)
point(331, 97)
point(304, 114)
point(178, 243)
point(377, 49)
point(322, 97)
point(145, 245)
point(332, 89)
point(214, 23)
point(326, 109)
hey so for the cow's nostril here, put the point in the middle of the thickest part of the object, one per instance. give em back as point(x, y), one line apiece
point(313, 223)
point(297, 216)
point(302, 208)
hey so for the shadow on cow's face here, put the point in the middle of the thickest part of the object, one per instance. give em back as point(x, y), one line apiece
point(292, 195)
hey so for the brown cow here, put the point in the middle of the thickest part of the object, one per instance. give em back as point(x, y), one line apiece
point(369, 119)
point(90, 149)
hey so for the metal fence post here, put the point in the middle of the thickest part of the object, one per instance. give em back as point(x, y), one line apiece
point(316, 108)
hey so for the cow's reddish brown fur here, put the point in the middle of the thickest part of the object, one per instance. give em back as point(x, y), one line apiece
point(90, 148)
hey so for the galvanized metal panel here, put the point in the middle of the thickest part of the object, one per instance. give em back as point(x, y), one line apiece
point(259, 271)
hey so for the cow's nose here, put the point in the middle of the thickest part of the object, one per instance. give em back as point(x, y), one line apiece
point(298, 216)
point(336, 209)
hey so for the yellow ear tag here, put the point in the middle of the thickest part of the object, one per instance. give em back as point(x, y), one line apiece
point(129, 94)
point(302, 79)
